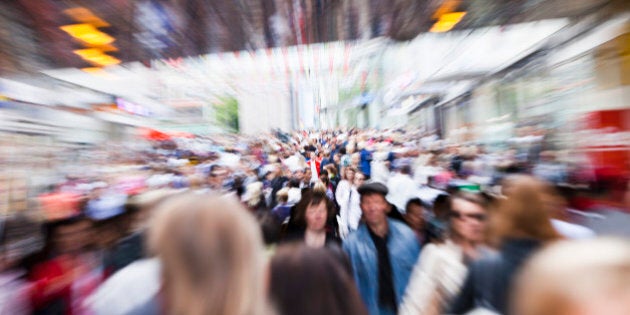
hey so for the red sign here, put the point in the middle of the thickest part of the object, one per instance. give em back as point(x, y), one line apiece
point(606, 137)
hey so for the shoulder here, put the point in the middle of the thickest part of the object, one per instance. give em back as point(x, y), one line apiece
point(355, 238)
point(490, 261)
point(401, 229)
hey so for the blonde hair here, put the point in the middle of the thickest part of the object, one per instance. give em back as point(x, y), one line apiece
point(319, 187)
point(212, 256)
point(253, 194)
point(282, 195)
point(524, 212)
point(567, 273)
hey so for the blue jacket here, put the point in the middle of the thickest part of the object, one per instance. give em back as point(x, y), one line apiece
point(366, 159)
point(403, 249)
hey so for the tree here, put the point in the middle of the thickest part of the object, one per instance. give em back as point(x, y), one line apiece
point(227, 114)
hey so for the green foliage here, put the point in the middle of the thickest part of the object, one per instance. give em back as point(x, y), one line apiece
point(226, 113)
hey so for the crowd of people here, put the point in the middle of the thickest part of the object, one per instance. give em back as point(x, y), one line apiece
point(322, 222)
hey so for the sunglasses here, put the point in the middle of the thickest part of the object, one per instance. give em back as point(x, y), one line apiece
point(475, 216)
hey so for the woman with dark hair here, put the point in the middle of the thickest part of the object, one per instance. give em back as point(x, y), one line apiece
point(312, 281)
point(520, 226)
point(314, 215)
point(415, 218)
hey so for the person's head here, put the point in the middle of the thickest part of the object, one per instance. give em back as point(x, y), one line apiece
point(212, 255)
point(317, 213)
point(442, 206)
point(282, 196)
point(307, 174)
point(332, 170)
point(405, 170)
point(350, 148)
point(312, 155)
point(298, 174)
point(323, 176)
point(355, 159)
point(587, 277)
point(524, 212)
point(218, 174)
point(468, 216)
point(349, 174)
point(373, 203)
point(253, 194)
point(320, 188)
point(69, 236)
point(414, 214)
point(337, 158)
point(312, 281)
point(109, 231)
point(16, 233)
point(359, 179)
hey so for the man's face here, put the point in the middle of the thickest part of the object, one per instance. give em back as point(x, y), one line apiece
point(299, 175)
point(414, 217)
point(374, 207)
point(468, 220)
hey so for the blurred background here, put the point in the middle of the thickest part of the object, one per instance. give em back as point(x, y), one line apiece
point(108, 106)
point(75, 75)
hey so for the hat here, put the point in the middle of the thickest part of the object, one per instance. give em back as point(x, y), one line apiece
point(374, 187)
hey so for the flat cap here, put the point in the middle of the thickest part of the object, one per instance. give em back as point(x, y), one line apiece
point(374, 187)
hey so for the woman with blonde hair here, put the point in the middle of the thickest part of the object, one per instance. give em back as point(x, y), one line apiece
point(212, 257)
point(520, 226)
point(587, 277)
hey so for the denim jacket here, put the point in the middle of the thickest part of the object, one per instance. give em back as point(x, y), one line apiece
point(403, 248)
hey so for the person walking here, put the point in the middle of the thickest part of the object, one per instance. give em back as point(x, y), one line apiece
point(442, 267)
point(520, 226)
point(348, 200)
point(312, 281)
point(382, 253)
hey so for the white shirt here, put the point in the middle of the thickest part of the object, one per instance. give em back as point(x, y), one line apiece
point(130, 287)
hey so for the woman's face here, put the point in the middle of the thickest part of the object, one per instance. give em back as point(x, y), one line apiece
point(468, 220)
point(358, 180)
point(350, 175)
point(316, 216)
point(355, 159)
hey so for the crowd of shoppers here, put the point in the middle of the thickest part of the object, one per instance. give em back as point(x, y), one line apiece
point(328, 222)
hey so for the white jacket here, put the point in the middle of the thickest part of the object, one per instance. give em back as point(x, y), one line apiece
point(436, 279)
point(349, 207)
